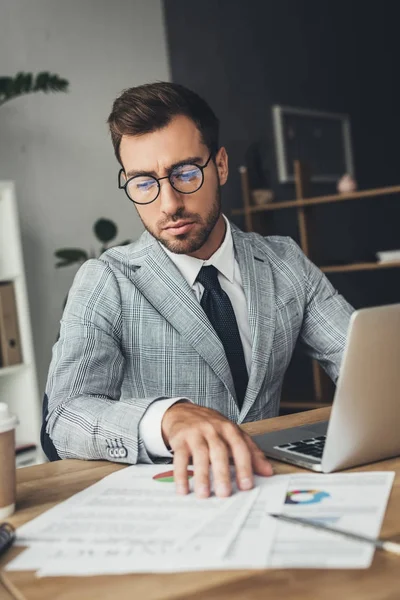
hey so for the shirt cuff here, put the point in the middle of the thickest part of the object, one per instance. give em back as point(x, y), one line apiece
point(150, 427)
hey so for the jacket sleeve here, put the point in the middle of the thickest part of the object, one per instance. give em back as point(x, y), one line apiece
point(87, 417)
point(326, 318)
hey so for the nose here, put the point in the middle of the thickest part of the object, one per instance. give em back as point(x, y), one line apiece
point(170, 199)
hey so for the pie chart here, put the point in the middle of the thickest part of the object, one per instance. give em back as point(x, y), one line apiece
point(168, 476)
point(306, 496)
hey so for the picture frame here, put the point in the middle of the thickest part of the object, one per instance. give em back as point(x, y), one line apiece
point(320, 139)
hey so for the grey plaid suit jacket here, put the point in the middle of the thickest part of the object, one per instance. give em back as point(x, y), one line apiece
point(133, 332)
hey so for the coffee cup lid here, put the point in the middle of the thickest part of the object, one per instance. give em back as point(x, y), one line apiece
point(7, 420)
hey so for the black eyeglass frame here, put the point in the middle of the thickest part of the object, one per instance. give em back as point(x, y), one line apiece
point(157, 180)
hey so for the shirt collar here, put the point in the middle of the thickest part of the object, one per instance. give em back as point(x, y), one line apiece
point(223, 259)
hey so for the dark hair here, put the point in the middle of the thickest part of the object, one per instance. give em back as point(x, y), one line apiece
point(146, 108)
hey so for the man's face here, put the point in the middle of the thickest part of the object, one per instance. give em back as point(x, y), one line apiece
point(183, 223)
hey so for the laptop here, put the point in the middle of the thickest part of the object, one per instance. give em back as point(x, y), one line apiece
point(364, 424)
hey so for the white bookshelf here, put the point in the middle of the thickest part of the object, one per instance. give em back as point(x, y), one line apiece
point(18, 383)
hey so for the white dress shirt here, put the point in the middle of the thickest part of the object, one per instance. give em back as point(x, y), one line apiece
point(231, 282)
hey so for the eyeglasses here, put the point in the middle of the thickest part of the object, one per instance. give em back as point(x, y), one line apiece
point(144, 189)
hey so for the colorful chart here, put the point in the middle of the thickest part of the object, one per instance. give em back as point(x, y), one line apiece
point(306, 496)
point(168, 476)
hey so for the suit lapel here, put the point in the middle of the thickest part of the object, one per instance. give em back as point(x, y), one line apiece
point(161, 282)
point(259, 290)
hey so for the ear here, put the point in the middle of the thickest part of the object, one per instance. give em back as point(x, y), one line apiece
point(221, 161)
point(122, 179)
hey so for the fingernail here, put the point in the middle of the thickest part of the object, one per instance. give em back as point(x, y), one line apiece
point(181, 489)
point(223, 489)
point(246, 483)
point(202, 491)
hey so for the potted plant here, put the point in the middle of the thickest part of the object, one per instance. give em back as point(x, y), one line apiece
point(104, 230)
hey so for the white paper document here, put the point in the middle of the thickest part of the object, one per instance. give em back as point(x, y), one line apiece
point(133, 522)
point(195, 552)
point(135, 505)
point(353, 502)
point(243, 540)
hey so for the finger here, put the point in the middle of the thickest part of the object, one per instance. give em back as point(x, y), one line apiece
point(181, 462)
point(219, 457)
point(261, 465)
point(243, 461)
point(201, 464)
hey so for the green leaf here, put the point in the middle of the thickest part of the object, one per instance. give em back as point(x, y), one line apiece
point(25, 83)
point(105, 230)
point(6, 84)
point(47, 82)
point(71, 255)
point(22, 84)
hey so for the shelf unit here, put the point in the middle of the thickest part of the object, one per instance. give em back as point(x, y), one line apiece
point(18, 383)
point(304, 205)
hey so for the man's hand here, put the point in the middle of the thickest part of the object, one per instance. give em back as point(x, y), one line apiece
point(207, 437)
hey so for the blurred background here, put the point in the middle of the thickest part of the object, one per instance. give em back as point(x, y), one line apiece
point(339, 57)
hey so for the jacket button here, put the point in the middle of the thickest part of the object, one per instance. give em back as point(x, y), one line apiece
point(122, 452)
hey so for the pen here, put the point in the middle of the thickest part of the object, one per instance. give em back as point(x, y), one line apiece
point(7, 536)
point(385, 545)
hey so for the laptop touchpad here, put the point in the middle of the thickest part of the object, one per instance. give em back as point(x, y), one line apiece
point(319, 428)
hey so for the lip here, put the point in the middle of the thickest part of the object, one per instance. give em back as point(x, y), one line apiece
point(179, 227)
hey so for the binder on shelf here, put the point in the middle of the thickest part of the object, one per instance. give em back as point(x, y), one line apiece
point(10, 343)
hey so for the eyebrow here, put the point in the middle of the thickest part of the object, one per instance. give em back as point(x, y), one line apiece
point(187, 161)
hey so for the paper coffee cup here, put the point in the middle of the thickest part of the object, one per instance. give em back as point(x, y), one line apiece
point(8, 422)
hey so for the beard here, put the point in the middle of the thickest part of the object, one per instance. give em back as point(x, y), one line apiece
point(192, 241)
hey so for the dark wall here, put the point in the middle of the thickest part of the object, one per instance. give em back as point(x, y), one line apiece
point(339, 56)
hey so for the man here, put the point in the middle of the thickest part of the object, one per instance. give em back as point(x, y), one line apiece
point(168, 343)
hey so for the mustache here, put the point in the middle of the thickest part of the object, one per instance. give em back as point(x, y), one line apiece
point(178, 216)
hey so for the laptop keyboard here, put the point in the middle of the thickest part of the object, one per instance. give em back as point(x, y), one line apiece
point(309, 447)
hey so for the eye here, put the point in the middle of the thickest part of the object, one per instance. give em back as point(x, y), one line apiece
point(186, 173)
point(143, 185)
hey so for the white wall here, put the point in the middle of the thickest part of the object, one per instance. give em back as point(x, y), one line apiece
point(56, 147)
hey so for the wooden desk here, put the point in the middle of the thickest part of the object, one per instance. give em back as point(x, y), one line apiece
point(41, 487)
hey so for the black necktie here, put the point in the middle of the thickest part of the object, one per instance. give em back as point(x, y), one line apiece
point(218, 308)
